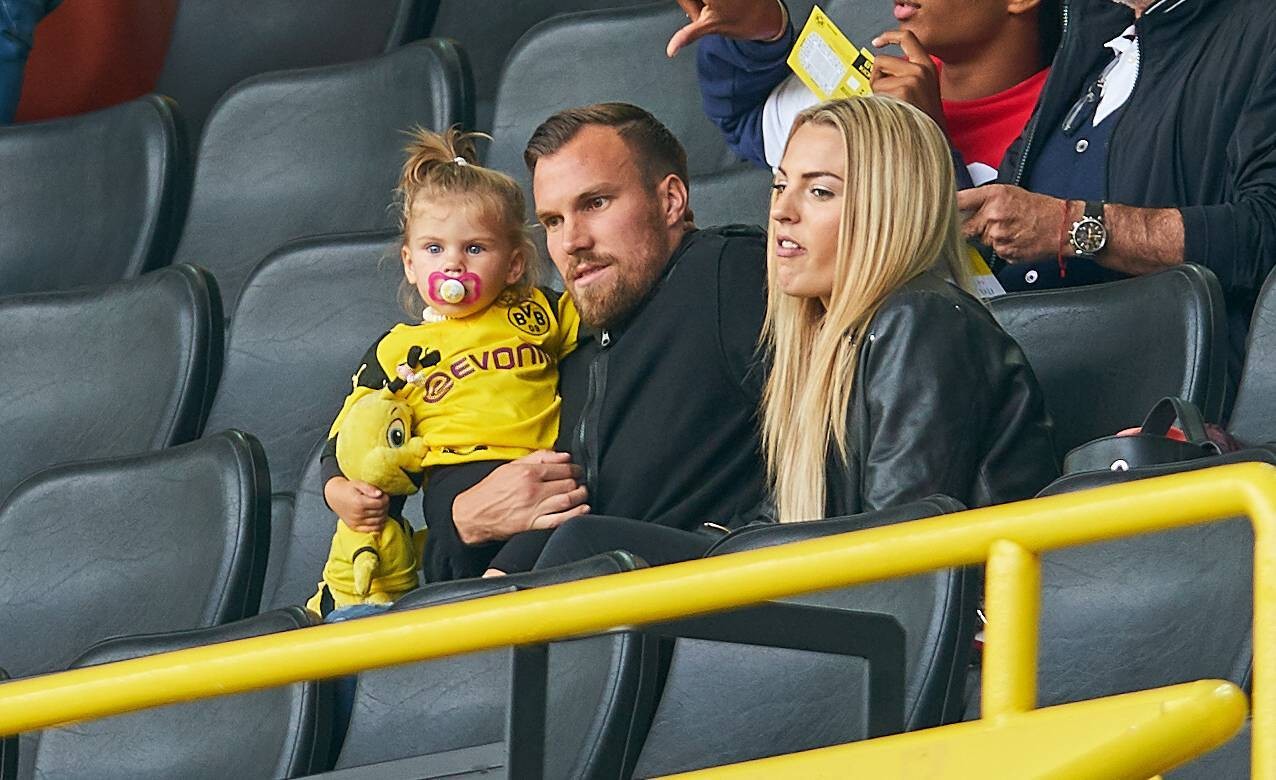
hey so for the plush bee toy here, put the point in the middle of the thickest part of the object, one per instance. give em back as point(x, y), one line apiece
point(376, 446)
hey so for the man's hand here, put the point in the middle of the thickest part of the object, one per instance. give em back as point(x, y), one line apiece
point(912, 79)
point(540, 490)
point(1020, 226)
point(361, 506)
point(751, 20)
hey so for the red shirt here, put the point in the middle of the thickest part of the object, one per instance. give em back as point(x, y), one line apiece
point(982, 129)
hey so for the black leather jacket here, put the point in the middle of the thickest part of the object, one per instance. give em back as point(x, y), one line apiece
point(944, 401)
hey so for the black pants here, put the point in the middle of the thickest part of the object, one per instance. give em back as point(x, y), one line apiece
point(588, 535)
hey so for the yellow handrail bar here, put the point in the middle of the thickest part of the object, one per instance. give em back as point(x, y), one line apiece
point(1008, 536)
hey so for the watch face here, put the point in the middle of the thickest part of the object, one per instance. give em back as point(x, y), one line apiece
point(1089, 235)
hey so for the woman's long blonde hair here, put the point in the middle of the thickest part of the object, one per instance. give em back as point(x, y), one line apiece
point(899, 219)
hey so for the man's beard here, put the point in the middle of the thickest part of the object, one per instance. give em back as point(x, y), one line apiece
point(606, 306)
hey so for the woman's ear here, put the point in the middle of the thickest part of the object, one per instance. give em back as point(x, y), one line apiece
point(674, 197)
point(408, 271)
point(518, 265)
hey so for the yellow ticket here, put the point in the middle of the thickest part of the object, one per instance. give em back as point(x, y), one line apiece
point(985, 281)
point(829, 64)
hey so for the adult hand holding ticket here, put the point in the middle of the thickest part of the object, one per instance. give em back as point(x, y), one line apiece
point(743, 19)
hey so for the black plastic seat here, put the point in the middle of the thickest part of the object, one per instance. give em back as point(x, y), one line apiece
point(163, 541)
point(615, 55)
point(217, 43)
point(724, 703)
point(1105, 354)
point(1149, 610)
point(90, 199)
point(312, 152)
point(460, 705)
point(1253, 417)
point(273, 733)
point(106, 371)
point(488, 44)
point(305, 318)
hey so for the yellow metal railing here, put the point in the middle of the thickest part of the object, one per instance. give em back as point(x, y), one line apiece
point(1007, 537)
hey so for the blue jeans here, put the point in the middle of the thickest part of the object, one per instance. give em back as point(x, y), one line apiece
point(18, 19)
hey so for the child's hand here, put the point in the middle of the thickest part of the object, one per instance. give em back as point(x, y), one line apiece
point(362, 507)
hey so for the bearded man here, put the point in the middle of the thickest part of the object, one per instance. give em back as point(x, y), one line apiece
point(658, 428)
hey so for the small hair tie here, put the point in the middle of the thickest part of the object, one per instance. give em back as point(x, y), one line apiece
point(461, 161)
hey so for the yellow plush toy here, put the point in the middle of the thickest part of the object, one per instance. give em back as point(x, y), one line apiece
point(376, 446)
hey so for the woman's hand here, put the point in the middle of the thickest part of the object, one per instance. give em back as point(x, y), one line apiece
point(537, 491)
point(750, 20)
point(913, 79)
point(361, 506)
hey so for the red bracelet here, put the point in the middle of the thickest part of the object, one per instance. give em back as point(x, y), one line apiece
point(1063, 231)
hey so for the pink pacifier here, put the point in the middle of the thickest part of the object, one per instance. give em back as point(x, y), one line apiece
point(465, 288)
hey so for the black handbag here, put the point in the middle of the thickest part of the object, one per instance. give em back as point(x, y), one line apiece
point(1151, 445)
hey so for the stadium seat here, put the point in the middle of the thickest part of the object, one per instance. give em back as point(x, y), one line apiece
point(488, 41)
point(1229, 762)
point(312, 152)
point(616, 55)
point(217, 43)
point(763, 701)
point(106, 371)
point(458, 707)
point(274, 733)
point(1253, 417)
point(305, 318)
point(163, 541)
point(8, 748)
point(1105, 354)
point(1149, 610)
point(92, 199)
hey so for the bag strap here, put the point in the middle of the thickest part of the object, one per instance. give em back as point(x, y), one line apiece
point(1169, 410)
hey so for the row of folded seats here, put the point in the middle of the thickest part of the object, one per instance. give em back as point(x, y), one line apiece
point(160, 482)
point(135, 508)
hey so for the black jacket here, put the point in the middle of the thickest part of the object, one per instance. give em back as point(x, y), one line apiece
point(1198, 132)
point(943, 402)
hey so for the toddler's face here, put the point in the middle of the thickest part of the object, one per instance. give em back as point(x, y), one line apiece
point(450, 243)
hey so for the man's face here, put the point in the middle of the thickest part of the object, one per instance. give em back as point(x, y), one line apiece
point(605, 224)
point(953, 30)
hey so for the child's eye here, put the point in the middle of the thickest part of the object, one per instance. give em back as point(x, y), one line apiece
point(434, 249)
point(474, 249)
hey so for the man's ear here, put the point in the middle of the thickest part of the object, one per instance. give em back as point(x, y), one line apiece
point(1016, 7)
point(405, 254)
point(518, 264)
point(674, 197)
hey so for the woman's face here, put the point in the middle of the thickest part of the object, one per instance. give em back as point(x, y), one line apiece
point(807, 211)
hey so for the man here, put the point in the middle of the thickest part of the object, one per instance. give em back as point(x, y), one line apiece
point(660, 397)
point(1152, 146)
point(990, 61)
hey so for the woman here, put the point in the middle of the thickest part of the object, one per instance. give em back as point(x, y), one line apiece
point(889, 383)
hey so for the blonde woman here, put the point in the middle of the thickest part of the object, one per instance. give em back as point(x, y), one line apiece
point(889, 383)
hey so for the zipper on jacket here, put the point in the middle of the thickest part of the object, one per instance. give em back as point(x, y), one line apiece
point(587, 429)
point(1036, 119)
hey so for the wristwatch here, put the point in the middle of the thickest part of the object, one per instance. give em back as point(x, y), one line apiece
point(1089, 234)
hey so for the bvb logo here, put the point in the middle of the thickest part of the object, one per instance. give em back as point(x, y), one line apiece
point(529, 317)
point(436, 386)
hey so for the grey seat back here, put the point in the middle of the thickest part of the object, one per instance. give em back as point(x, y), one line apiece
point(163, 541)
point(1253, 416)
point(724, 703)
point(597, 686)
point(106, 371)
point(616, 55)
point(488, 44)
point(1104, 354)
point(278, 732)
point(90, 199)
point(305, 318)
point(215, 44)
point(311, 152)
